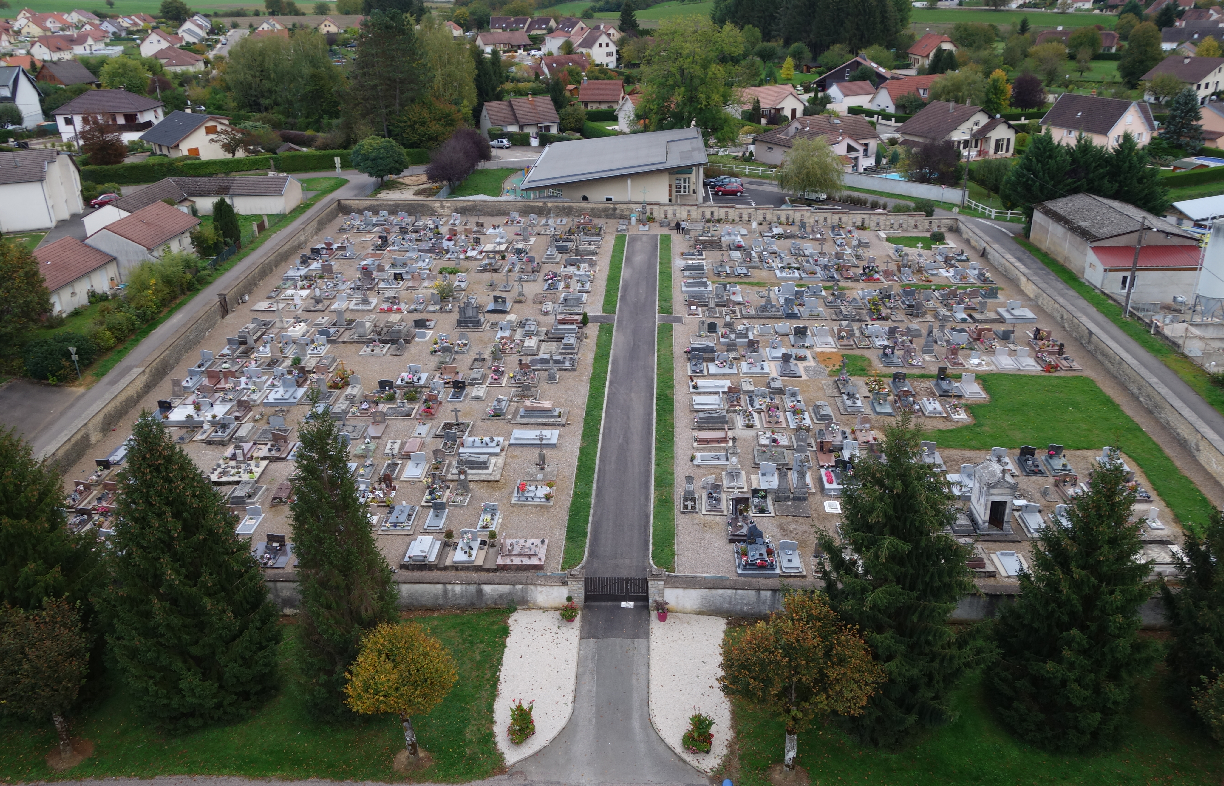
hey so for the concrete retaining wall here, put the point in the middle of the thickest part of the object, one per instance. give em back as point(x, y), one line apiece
point(467, 592)
point(905, 188)
point(1184, 424)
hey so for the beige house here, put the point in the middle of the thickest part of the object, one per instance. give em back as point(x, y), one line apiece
point(328, 26)
point(659, 166)
point(71, 270)
point(851, 137)
point(174, 59)
point(1104, 120)
point(158, 39)
point(529, 115)
point(779, 103)
point(888, 94)
point(189, 134)
point(924, 49)
point(1204, 73)
point(967, 127)
point(848, 94)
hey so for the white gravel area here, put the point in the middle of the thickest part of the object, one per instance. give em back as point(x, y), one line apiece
point(685, 658)
point(540, 665)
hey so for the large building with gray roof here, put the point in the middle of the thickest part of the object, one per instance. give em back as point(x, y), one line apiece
point(660, 166)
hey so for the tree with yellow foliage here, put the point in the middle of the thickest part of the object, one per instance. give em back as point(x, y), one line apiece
point(1208, 48)
point(400, 669)
point(998, 93)
point(788, 71)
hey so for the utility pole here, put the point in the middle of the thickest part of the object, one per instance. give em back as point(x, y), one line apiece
point(1130, 285)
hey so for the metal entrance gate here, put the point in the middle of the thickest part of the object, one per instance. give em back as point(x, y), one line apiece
point(614, 589)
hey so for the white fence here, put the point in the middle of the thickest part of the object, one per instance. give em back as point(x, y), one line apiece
point(766, 172)
point(991, 212)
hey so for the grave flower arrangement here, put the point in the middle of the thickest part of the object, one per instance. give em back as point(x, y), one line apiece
point(522, 725)
point(699, 737)
point(569, 612)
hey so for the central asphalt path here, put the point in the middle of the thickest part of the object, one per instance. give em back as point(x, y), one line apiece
point(609, 737)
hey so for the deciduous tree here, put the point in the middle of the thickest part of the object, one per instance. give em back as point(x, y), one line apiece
point(101, 141)
point(44, 660)
point(400, 669)
point(174, 11)
point(1163, 87)
point(1028, 92)
point(1195, 654)
point(966, 86)
point(1049, 60)
point(191, 627)
point(1126, 25)
point(934, 162)
point(573, 118)
point(379, 157)
point(686, 77)
point(811, 165)
point(998, 94)
point(232, 140)
point(10, 116)
point(1208, 47)
point(24, 298)
point(1070, 653)
point(1141, 55)
point(1086, 37)
point(898, 582)
point(803, 665)
point(1182, 128)
point(345, 582)
point(426, 124)
point(787, 74)
point(450, 71)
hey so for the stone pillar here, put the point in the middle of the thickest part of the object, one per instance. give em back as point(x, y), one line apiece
point(575, 585)
point(654, 581)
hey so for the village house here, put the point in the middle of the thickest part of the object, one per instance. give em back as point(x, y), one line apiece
point(967, 127)
point(32, 25)
point(1190, 36)
point(145, 235)
point(1203, 73)
point(528, 115)
point(55, 48)
point(328, 26)
point(551, 64)
point(506, 24)
point(270, 24)
point(79, 17)
point(1109, 39)
point(540, 25)
point(1104, 120)
point(131, 114)
point(847, 94)
point(850, 137)
point(67, 73)
point(195, 29)
point(924, 48)
point(779, 103)
point(38, 189)
point(842, 73)
point(1213, 124)
point(601, 93)
point(249, 196)
point(174, 59)
point(455, 30)
point(888, 94)
point(626, 113)
point(71, 270)
point(513, 41)
point(18, 87)
point(157, 40)
point(571, 25)
point(188, 134)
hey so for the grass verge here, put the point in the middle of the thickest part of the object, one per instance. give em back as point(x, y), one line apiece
point(1074, 412)
point(102, 366)
point(910, 241)
point(579, 521)
point(615, 265)
point(282, 740)
point(1179, 364)
point(29, 239)
point(665, 274)
point(663, 529)
point(487, 182)
point(1159, 746)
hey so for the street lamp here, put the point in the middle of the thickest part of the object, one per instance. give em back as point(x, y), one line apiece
point(72, 350)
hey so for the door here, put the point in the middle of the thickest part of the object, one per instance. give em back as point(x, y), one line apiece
point(998, 512)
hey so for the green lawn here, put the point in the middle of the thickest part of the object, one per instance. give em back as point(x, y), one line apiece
point(283, 739)
point(1196, 192)
point(910, 241)
point(663, 529)
point(665, 274)
point(975, 750)
point(30, 239)
point(612, 287)
point(483, 181)
point(668, 10)
point(1037, 19)
point(579, 519)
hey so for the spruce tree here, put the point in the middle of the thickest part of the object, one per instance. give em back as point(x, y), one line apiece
point(628, 18)
point(1069, 650)
point(225, 221)
point(344, 581)
point(1195, 655)
point(1182, 128)
point(1040, 174)
point(1134, 179)
point(899, 584)
point(192, 630)
point(1088, 168)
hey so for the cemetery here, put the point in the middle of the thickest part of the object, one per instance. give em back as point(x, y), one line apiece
point(451, 352)
point(801, 343)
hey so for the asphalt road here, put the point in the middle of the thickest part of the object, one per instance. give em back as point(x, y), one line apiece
point(609, 737)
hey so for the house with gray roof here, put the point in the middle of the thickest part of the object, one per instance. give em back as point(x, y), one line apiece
point(249, 196)
point(967, 127)
point(659, 166)
point(38, 189)
point(1204, 73)
point(190, 134)
point(130, 115)
point(1103, 120)
point(18, 87)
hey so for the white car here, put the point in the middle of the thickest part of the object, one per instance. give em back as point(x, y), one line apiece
point(501, 144)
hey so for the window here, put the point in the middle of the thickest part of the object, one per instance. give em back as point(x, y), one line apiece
point(210, 130)
point(67, 120)
point(1125, 281)
point(682, 185)
point(193, 151)
point(553, 192)
point(1129, 119)
point(607, 199)
point(130, 118)
point(1117, 138)
point(1068, 132)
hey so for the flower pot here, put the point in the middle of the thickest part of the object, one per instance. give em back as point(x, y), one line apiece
point(662, 616)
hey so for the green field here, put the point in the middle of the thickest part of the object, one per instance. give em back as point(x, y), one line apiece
point(129, 6)
point(1037, 19)
point(283, 739)
point(668, 10)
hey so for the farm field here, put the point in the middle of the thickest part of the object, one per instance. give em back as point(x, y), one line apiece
point(1038, 19)
point(668, 10)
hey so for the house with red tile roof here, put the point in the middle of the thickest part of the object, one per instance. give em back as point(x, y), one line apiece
point(779, 103)
point(71, 270)
point(157, 40)
point(144, 235)
point(522, 115)
point(601, 93)
point(921, 52)
point(888, 94)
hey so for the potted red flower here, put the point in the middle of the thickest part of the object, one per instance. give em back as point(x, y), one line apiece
point(661, 609)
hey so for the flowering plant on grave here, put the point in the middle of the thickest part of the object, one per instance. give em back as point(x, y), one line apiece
point(699, 737)
point(522, 725)
point(569, 612)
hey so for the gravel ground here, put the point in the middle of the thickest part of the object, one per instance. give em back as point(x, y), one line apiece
point(518, 521)
point(540, 665)
point(685, 658)
point(702, 546)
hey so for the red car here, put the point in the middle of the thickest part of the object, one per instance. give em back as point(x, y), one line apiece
point(103, 200)
point(729, 189)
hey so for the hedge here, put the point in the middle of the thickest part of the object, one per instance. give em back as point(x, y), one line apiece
point(868, 111)
point(155, 169)
point(1194, 177)
point(605, 115)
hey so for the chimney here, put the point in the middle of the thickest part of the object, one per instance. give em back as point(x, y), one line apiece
point(951, 106)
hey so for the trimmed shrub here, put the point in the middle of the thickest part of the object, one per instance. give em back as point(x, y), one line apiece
point(48, 358)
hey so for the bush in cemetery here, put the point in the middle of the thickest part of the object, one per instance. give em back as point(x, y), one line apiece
point(522, 724)
point(344, 580)
point(1195, 655)
point(400, 669)
point(898, 505)
point(803, 664)
point(1069, 651)
point(24, 298)
point(48, 359)
point(225, 220)
point(44, 659)
point(379, 157)
point(191, 628)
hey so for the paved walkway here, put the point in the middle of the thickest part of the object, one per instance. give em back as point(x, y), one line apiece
point(609, 737)
point(56, 430)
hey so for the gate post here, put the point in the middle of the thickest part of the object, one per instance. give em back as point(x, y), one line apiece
point(654, 582)
point(575, 585)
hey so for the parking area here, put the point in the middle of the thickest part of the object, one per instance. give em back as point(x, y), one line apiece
point(762, 193)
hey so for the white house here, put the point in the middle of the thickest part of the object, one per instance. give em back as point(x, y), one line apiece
point(18, 87)
point(195, 29)
point(145, 235)
point(158, 39)
point(599, 48)
point(249, 196)
point(52, 48)
point(967, 127)
point(626, 113)
point(189, 134)
point(270, 24)
point(71, 270)
point(1204, 73)
point(848, 94)
point(327, 26)
point(38, 189)
point(131, 114)
point(79, 17)
point(779, 103)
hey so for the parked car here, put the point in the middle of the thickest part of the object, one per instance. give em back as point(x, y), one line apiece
point(103, 200)
point(501, 144)
point(729, 189)
point(710, 182)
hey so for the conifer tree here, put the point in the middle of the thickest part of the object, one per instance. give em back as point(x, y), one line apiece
point(1182, 128)
point(192, 630)
point(345, 582)
point(1040, 174)
point(899, 584)
point(1195, 654)
point(1134, 179)
point(225, 221)
point(628, 18)
point(1088, 168)
point(1070, 654)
